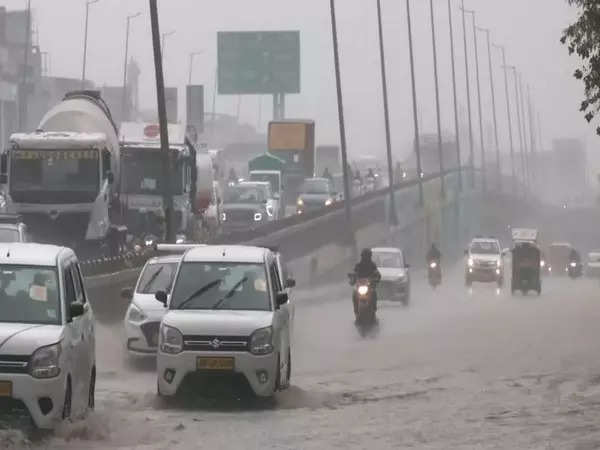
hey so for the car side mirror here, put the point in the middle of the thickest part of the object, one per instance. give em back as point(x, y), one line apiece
point(290, 283)
point(161, 296)
point(127, 293)
point(76, 310)
point(282, 298)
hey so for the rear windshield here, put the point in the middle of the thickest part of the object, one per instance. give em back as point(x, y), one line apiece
point(157, 277)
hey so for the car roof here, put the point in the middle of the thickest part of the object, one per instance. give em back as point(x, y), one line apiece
point(12, 226)
point(30, 254)
point(494, 240)
point(560, 244)
point(227, 253)
point(386, 250)
point(164, 259)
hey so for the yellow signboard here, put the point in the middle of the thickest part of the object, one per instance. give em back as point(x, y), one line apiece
point(287, 136)
point(56, 154)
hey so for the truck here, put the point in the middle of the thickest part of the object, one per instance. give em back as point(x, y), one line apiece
point(272, 169)
point(142, 181)
point(63, 178)
point(293, 141)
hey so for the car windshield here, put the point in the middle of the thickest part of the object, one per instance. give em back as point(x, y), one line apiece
point(29, 294)
point(388, 259)
point(215, 285)
point(264, 189)
point(485, 248)
point(9, 235)
point(315, 187)
point(270, 177)
point(244, 194)
point(157, 277)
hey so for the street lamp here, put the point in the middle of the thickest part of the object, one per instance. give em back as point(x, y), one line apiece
point(23, 90)
point(516, 77)
point(163, 42)
point(124, 103)
point(192, 56)
point(471, 145)
point(508, 111)
point(85, 39)
point(456, 125)
point(437, 103)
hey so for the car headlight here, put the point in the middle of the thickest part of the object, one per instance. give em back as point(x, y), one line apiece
point(542, 263)
point(300, 202)
point(180, 239)
point(135, 314)
point(498, 264)
point(573, 264)
point(2, 201)
point(269, 211)
point(328, 202)
point(223, 217)
point(471, 262)
point(257, 217)
point(45, 362)
point(171, 340)
point(363, 289)
point(433, 265)
point(261, 341)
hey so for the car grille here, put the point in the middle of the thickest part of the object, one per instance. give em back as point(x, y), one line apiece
point(14, 364)
point(150, 331)
point(387, 289)
point(240, 215)
point(216, 343)
point(486, 264)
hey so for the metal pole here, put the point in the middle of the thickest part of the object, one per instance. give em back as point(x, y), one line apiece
point(85, 40)
point(456, 125)
point(23, 91)
point(415, 107)
point(524, 125)
point(162, 119)
point(192, 55)
point(539, 127)
point(532, 148)
point(509, 117)
point(495, 117)
point(514, 69)
point(393, 217)
point(164, 46)
point(437, 104)
point(124, 100)
point(342, 125)
point(471, 144)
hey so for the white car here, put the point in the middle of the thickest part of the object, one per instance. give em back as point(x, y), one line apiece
point(484, 262)
point(47, 341)
point(272, 205)
point(395, 278)
point(593, 264)
point(144, 314)
point(228, 315)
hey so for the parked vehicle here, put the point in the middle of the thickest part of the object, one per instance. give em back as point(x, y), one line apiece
point(48, 351)
point(227, 317)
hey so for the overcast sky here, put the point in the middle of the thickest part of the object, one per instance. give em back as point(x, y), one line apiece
point(530, 30)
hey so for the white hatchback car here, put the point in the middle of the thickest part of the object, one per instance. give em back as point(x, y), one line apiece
point(144, 313)
point(228, 316)
point(47, 341)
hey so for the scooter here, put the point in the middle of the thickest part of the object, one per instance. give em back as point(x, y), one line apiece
point(363, 294)
point(434, 273)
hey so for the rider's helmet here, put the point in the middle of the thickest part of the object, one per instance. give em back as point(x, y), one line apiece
point(366, 254)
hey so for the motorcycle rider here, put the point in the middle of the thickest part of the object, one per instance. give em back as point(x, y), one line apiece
point(327, 174)
point(366, 268)
point(434, 254)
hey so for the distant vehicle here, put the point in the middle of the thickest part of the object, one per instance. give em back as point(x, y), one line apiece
point(212, 214)
point(395, 276)
point(558, 258)
point(244, 207)
point(272, 169)
point(526, 268)
point(484, 262)
point(144, 313)
point(227, 316)
point(12, 229)
point(48, 352)
point(315, 194)
point(593, 264)
point(328, 157)
point(273, 207)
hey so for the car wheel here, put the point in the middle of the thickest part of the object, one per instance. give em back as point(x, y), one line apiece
point(92, 391)
point(66, 412)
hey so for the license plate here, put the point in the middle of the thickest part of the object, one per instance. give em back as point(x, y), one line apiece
point(5, 389)
point(215, 363)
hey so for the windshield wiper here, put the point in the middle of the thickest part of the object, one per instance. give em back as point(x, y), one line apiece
point(153, 277)
point(231, 293)
point(199, 292)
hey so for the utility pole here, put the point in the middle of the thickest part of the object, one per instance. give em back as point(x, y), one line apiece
point(393, 217)
point(496, 139)
point(524, 125)
point(85, 39)
point(23, 90)
point(162, 120)
point(415, 107)
point(342, 125)
point(125, 99)
point(456, 125)
point(471, 144)
point(508, 113)
point(192, 56)
point(523, 173)
point(437, 105)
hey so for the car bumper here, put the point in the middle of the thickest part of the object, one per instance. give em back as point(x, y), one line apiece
point(34, 393)
point(246, 364)
point(393, 290)
point(484, 275)
point(142, 338)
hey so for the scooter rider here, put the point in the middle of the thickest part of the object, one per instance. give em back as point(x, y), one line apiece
point(434, 254)
point(366, 268)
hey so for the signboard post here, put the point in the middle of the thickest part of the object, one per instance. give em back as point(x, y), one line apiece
point(194, 99)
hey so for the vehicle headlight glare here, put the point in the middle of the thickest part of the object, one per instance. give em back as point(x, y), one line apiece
point(171, 340)
point(269, 211)
point(261, 341)
point(223, 217)
point(180, 239)
point(300, 202)
point(45, 362)
point(470, 262)
point(363, 289)
point(573, 264)
point(542, 263)
point(433, 265)
point(136, 314)
point(258, 217)
point(328, 202)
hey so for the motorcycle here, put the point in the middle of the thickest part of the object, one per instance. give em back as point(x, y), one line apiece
point(363, 294)
point(434, 273)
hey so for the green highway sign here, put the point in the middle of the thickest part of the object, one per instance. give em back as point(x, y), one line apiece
point(263, 62)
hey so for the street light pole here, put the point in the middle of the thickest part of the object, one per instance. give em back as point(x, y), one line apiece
point(85, 39)
point(495, 118)
point(523, 174)
point(124, 100)
point(23, 90)
point(162, 120)
point(393, 217)
point(456, 125)
point(524, 125)
point(163, 48)
point(192, 56)
point(471, 144)
point(508, 113)
point(415, 107)
point(437, 104)
point(342, 125)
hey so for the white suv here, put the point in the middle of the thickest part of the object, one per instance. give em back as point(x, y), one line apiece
point(228, 315)
point(484, 262)
point(47, 343)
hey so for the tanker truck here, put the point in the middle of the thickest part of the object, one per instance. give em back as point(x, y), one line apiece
point(63, 178)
